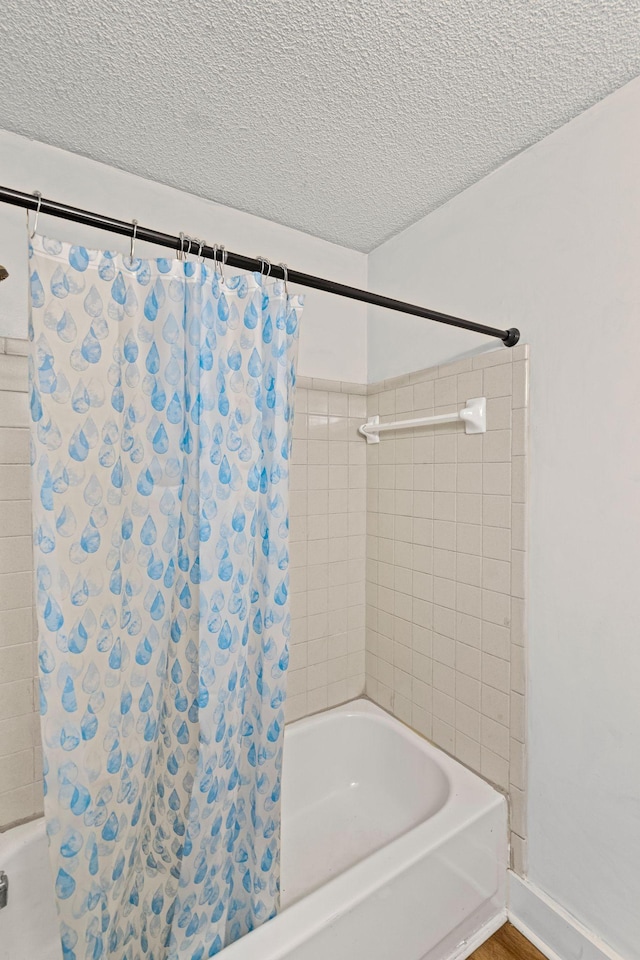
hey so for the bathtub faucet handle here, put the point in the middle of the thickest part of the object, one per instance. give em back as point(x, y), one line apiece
point(4, 889)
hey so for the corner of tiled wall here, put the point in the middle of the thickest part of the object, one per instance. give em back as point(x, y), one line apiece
point(328, 546)
point(20, 751)
point(446, 568)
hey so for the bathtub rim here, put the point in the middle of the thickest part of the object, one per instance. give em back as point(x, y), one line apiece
point(20, 835)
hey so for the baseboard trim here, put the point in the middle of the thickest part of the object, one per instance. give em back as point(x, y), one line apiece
point(466, 948)
point(549, 927)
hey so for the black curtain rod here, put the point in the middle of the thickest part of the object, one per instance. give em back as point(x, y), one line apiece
point(52, 209)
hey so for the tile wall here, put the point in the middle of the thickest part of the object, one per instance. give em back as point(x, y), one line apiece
point(328, 546)
point(446, 571)
point(20, 752)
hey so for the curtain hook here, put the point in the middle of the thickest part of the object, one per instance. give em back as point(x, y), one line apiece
point(181, 254)
point(132, 246)
point(37, 194)
point(202, 244)
point(223, 260)
point(285, 271)
point(263, 261)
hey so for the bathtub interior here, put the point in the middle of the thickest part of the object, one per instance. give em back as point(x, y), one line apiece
point(359, 785)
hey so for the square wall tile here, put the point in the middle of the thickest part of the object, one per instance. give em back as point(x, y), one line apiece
point(463, 507)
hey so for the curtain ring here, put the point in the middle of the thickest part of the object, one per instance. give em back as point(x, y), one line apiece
point(37, 194)
point(181, 254)
point(263, 261)
point(132, 246)
point(215, 259)
point(285, 271)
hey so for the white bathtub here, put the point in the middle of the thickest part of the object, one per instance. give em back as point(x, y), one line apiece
point(390, 849)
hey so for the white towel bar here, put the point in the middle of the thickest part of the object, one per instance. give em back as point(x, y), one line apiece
point(474, 416)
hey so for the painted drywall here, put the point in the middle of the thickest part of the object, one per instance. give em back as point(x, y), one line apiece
point(551, 243)
point(333, 337)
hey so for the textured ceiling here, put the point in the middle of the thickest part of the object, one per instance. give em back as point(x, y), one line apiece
point(349, 120)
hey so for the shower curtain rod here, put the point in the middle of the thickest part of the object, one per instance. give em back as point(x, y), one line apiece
point(254, 264)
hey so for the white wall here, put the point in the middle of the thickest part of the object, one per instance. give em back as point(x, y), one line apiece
point(551, 243)
point(333, 336)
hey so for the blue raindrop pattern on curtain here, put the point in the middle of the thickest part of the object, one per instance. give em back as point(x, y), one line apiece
point(161, 405)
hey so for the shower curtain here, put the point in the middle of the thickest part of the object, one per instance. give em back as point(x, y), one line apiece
point(161, 406)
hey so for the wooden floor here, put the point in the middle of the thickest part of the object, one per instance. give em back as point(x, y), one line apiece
point(507, 944)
